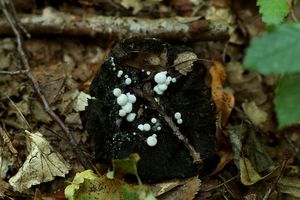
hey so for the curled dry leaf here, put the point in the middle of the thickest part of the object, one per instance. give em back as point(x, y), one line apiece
point(254, 113)
point(184, 62)
point(42, 164)
point(224, 102)
point(223, 98)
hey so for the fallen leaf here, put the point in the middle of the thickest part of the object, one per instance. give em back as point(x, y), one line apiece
point(289, 185)
point(223, 98)
point(224, 102)
point(184, 62)
point(248, 174)
point(67, 100)
point(162, 188)
point(7, 160)
point(42, 164)
point(256, 115)
point(39, 112)
point(71, 190)
point(244, 142)
point(138, 5)
point(148, 61)
point(81, 101)
point(4, 189)
point(87, 185)
point(225, 16)
point(187, 191)
point(126, 166)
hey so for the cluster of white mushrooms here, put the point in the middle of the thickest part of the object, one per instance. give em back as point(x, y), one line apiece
point(126, 101)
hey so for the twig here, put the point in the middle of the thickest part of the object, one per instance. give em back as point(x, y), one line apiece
point(54, 22)
point(193, 153)
point(220, 185)
point(18, 72)
point(12, 20)
point(274, 184)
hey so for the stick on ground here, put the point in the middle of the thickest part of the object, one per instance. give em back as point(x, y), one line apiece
point(53, 22)
point(8, 10)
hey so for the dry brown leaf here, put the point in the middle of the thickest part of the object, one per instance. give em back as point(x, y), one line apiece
point(7, 161)
point(225, 16)
point(148, 61)
point(162, 188)
point(137, 5)
point(223, 98)
point(39, 112)
point(254, 113)
point(42, 164)
point(184, 62)
point(52, 80)
point(224, 102)
point(187, 191)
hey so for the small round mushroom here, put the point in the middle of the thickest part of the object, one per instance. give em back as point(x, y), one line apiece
point(122, 100)
point(153, 120)
point(117, 92)
point(147, 127)
point(141, 127)
point(160, 77)
point(122, 113)
point(120, 73)
point(179, 121)
point(127, 107)
point(128, 81)
point(151, 141)
point(177, 115)
point(131, 98)
point(130, 117)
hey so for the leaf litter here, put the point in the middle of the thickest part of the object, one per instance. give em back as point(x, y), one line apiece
point(64, 65)
point(42, 164)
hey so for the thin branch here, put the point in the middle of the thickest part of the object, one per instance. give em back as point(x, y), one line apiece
point(220, 185)
point(12, 20)
point(18, 72)
point(193, 153)
point(53, 22)
point(274, 184)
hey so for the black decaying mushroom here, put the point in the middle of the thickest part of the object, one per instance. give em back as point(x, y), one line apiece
point(149, 97)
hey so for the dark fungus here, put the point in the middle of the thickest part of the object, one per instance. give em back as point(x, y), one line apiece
point(149, 97)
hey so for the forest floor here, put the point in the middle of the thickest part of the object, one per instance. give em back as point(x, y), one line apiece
point(257, 161)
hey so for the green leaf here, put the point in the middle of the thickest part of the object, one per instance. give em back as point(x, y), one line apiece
point(275, 52)
point(79, 179)
point(287, 100)
point(87, 185)
point(273, 11)
point(127, 166)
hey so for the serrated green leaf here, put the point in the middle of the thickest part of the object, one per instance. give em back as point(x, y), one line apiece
point(273, 11)
point(275, 52)
point(287, 100)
